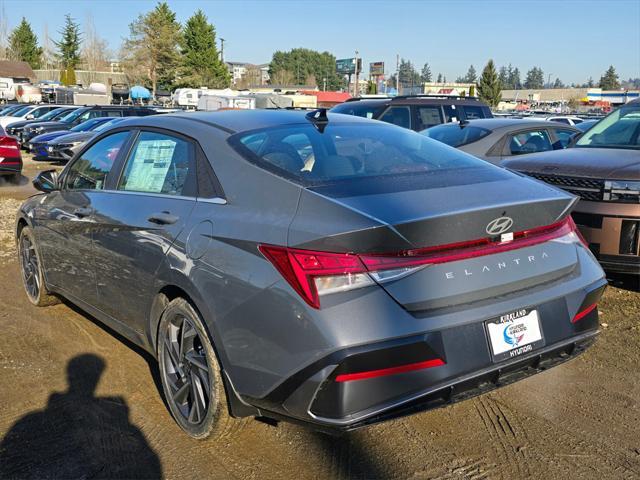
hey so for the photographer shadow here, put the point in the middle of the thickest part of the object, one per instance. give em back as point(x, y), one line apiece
point(78, 435)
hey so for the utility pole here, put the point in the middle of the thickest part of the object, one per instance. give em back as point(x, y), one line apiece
point(549, 81)
point(222, 50)
point(398, 74)
point(355, 87)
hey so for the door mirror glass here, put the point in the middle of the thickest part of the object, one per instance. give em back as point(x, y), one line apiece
point(46, 181)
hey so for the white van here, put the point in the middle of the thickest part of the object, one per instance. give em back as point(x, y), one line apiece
point(7, 93)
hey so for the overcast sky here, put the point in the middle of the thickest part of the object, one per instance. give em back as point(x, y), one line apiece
point(570, 39)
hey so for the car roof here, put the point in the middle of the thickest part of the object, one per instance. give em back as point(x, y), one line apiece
point(233, 121)
point(417, 100)
point(497, 123)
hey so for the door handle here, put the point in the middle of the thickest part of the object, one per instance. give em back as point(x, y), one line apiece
point(163, 218)
point(83, 212)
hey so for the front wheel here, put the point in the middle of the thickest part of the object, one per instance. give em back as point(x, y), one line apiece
point(190, 373)
point(31, 269)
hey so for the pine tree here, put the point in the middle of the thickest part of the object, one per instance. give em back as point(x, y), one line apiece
point(535, 78)
point(439, 79)
point(558, 83)
point(489, 89)
point(426, 73)
point(503, 76)
point(471, 76)
point(69, 44)
point(200, 64)
point(590, 83)
point(609, 81)
point(151, 52)
point(23, 44)
point(515, 79)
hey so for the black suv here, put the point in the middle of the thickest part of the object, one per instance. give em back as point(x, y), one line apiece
point(82, 114)
point(416, 112)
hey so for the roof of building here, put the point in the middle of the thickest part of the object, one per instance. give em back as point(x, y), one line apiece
point(16, 69)
point(335, 97)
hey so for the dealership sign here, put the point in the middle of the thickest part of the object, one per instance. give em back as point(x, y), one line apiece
point(347, 66)
point(376, 68)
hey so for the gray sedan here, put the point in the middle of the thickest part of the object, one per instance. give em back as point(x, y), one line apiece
point(495, 139)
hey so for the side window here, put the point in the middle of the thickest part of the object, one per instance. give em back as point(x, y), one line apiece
point(90, 171)
point(111, 113)
point(564, 138)
point(451, 113)
point(428, 117)
point(39, 112)
point(561, 120)
point(531, 141)
point(399, 115)
point(472, 112)
point(160, 163)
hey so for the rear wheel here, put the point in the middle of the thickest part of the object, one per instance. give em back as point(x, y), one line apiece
point(190, 373)
point(31, 269)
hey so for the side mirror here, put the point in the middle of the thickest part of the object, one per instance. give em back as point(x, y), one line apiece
point(46, 181)
point(31, 116)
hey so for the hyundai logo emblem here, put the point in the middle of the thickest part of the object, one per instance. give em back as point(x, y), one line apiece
point(499, 225)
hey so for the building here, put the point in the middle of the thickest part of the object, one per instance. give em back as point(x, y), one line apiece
point(327, 99)
point(21, 70)
point(239, 72)
point(450, 88)
point(559, 99)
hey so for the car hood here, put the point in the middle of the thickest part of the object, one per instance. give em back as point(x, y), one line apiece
point(45, 137)
point(604, 163)
point(72, 138)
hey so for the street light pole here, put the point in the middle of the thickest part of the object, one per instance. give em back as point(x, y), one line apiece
point(355, 87)
point(222, 49)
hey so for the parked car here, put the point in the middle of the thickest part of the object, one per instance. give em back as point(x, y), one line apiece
point(29, 112)
point(64, 147)
point(566, 119)
point(495, 139)
point(603, 169)
point(15, 129)
point(274, 263)
point(10, 158)
point(7, 110)
point(416, 112)
point(586, 125)
point(83, 114)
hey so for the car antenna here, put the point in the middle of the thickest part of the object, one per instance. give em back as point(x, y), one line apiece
point(463, 123)
point(318, 118)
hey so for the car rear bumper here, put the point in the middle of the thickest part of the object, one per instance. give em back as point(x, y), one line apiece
point(10, 168)
point(320, 395)
point(612, 231)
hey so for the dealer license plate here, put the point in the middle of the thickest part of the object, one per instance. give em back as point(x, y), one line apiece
point(514, 334)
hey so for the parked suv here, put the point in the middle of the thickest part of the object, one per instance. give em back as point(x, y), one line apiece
point(82, 114)
point(416, 112)
point(321, 268)
point(603, 169)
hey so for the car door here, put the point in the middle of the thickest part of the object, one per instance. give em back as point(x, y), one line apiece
point(138, 220)
point(65, 219)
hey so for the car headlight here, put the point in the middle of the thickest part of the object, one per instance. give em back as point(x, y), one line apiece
point(624, 191)
point(50, 149)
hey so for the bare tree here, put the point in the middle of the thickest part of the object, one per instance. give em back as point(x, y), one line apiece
point(4, 33)
point(95, 54)
point(49, 61)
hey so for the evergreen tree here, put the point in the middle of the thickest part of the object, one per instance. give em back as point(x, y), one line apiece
point(489, 89)
point(409, 77)
point(426, 73)
point(23, 44)
point(535, 78)
point(471, 76)
point(299, 64)
point(503, 76)
point(200, 64)
point(69, 44)
point(439, 79)
point(590, 83)
point(514, 79)
point(151, 51)
point(609, 81)
point(558, 83)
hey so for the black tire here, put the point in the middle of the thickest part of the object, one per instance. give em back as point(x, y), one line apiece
point(190, 374)
point(31, 270)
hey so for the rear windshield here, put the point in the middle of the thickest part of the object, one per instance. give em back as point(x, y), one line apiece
point(454, 135)
point(345, 152)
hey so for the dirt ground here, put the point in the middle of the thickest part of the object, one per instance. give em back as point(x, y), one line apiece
point(106, 417)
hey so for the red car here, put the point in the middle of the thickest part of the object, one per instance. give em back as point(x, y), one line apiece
point(10, 158)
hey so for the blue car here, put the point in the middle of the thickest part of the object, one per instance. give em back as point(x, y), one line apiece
point(38, 145)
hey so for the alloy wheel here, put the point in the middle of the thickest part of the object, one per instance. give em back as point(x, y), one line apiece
point(30, 267)
point(187, 371)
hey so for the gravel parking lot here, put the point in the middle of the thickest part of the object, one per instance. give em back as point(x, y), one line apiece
point(79, 401)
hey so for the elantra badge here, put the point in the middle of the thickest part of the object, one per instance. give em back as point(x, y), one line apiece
point(499, 225)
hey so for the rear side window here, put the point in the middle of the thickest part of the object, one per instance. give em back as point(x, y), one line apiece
point(90, 171)
point(473, 112)
point(451, 113)
point(357, 109)
point(345, 152)
point(160, 163)
point(399, 115)
point(531, 141)
point(428, 116)
point(112, 113)
point(456, 136)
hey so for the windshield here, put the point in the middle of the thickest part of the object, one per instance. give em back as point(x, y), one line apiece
point(52, 114)
point(87, 125)
point(22, 111)
point(620, 129)
point(104, 125)
point(349, 151)
point(454, 135)
point(8, 110)
point(73, 115)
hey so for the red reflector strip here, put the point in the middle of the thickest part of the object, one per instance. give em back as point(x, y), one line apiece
point(348, 377)
point(580, 315)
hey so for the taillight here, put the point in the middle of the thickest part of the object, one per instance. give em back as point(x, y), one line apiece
point(313, 274)
point(583, 313)
point(9, 147)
